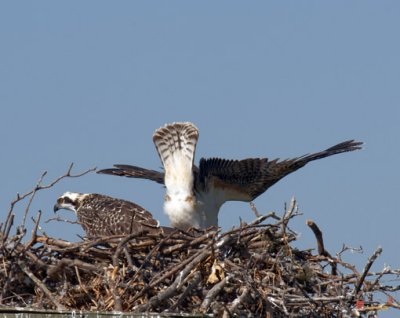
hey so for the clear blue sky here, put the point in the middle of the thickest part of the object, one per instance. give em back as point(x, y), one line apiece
point(88, 82)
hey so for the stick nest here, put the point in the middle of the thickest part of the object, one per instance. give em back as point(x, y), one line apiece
point(252, 270)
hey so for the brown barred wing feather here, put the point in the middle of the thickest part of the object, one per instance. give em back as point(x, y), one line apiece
point(244, 180)
point(134, 172)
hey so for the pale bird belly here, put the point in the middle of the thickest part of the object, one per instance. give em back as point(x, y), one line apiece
point(185, 211)
point(182, 213)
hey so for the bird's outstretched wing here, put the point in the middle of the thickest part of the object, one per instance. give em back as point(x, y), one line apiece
point(244, 180)
point(176, 145)
point(134, 172)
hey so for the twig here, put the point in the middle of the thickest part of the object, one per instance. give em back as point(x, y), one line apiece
point(254, 209)
point(239, 300)
point(8, 222)
point(7, 226)
point(193, 283)
point(285, 220)
point(148, 256)
point(158, 279)
point(176, 285)
point(34, 232)
point(346, 248)
point(320, 243)
point(72, 262)
point(212, 293)
point(121, 245)
point(33, 192)
point(60, 219)
point(114, 290)
point(379, 276)
point(371, 260)
point(38, 282)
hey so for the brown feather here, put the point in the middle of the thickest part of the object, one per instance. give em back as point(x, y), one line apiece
point(253, 176)
point(102, 215)
point(134, 172)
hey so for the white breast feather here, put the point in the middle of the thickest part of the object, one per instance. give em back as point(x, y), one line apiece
point(179, 204)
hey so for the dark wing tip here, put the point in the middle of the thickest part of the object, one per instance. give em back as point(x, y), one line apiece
point(125, 166)
point(113, 171)
point(119, 169)
point(348, 145)
point(104, 171)
point(130, 171)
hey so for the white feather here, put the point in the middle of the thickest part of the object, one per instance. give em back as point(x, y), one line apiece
point(182, 214)
point(176, 144)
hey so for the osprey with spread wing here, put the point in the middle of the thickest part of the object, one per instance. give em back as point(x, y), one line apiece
point(194, 194)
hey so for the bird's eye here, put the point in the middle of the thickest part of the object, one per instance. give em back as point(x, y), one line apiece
point(67, 200)
point(59, 200)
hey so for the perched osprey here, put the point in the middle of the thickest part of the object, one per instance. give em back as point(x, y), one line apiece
point(101, 215)
point(194, 195)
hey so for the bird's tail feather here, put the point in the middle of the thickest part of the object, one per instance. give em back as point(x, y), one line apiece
point(176, 145)
point(176, 138)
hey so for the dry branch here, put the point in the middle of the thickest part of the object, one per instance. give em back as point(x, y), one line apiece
point(252, 270)
point(6, 226)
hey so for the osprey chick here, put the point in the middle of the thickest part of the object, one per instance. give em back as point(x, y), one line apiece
point(101, 215)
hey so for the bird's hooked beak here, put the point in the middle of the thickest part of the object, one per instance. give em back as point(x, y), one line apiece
point(56, 207)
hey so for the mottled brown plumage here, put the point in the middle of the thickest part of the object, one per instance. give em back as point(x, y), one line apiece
point(101, 215)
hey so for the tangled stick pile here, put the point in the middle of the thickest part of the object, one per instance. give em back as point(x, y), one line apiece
point(252, 270)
